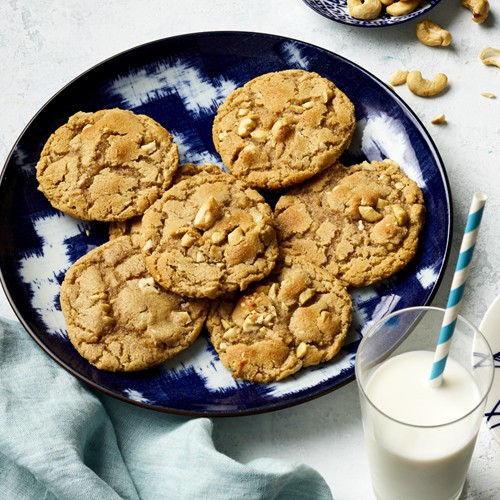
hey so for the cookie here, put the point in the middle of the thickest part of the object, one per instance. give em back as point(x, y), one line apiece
point(108, 165)
point(361, 223)
point(132, 227)
point(297, 317)
point(118, 318)
point(209, 234)
point(281, 128)
point(189, 169)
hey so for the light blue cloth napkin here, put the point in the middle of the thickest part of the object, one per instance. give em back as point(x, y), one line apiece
point(59, 439)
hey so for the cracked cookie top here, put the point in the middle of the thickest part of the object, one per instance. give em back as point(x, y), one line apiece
point(281, 128)
point(108, 165)
point(207, 235)
point(132, 227)
point(297, 317)
point(118, 318)
point(361, 223)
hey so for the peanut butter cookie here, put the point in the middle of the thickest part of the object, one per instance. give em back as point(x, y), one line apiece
point(189, 169)
point(132, 227)
point(108, 165)
point(281, 128)
point(361, 223)
point(118, 318)
point(209, 234)
point(297, 317)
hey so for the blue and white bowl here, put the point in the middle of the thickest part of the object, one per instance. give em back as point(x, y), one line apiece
point(336, 10)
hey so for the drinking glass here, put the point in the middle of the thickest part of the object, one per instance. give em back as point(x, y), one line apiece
point(420, 439)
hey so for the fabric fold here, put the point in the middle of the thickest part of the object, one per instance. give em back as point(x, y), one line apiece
point(60, 439)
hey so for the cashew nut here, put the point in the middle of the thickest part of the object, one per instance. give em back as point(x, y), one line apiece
point(386, 2)
point(439, 119)
point(490, 56)
point(479, 8)
point(398, 77)
point(364, 9)
point(431, 34)
point(400, 8)
point(426, 88)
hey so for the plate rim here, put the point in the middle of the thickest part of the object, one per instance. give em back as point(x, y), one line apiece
point(269, 406)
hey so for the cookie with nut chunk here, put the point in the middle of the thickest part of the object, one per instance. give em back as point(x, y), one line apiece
point(281, 128)
point(107, 165)
point(118, 318)
point(297, 317)
point(208, 235)
point(361, 223)
point(132, 227)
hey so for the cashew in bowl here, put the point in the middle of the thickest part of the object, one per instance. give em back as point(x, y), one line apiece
point(490, 56)
point(364, 9)
point(431, 34)
point(426, 88)
point(402, 7)
point(479, 8)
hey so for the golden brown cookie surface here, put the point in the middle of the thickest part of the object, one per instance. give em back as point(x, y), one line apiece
point(361, 223)
point(118, 318)
point(281, 128)
point(132, 227)
point(209, 234)
point(297, 317)
point(108, 165)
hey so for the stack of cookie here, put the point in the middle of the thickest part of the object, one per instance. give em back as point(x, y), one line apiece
point(194, 245)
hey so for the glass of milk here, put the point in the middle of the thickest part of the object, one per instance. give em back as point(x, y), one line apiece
point(420, 438)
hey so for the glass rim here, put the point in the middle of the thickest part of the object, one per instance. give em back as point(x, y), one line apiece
point(383, 319)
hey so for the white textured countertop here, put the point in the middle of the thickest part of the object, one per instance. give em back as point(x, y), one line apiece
point(46, 43)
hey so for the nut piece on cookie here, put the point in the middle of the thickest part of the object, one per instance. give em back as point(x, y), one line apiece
point(282, 128)
point(208, 235)
point(297, 317)
point(110, 165)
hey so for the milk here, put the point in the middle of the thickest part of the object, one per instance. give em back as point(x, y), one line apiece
point(426, 459)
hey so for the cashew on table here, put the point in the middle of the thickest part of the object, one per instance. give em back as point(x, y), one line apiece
point(426, 88)
point(490, 56)
point(479, 8)
point(431, 34)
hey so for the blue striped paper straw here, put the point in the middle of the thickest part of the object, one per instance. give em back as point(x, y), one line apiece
point(457, 287)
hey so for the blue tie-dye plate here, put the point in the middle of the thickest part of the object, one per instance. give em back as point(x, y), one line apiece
point(336, 10)
point(180, 82)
